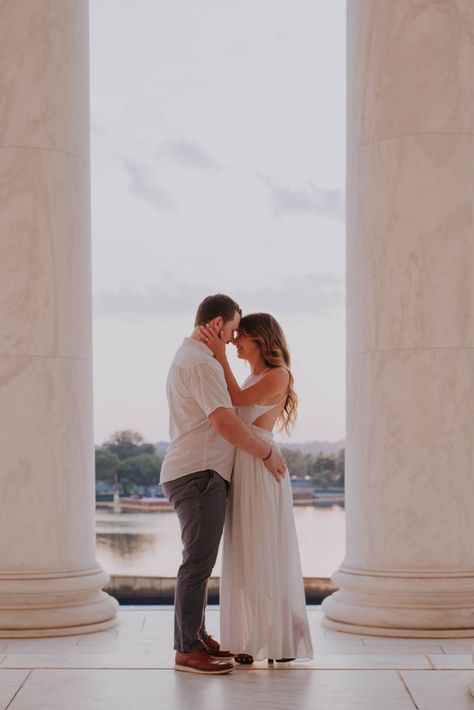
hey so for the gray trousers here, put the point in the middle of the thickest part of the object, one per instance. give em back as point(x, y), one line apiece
point(200, 502)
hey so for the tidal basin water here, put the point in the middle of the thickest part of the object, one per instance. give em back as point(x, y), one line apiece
point(149, 543)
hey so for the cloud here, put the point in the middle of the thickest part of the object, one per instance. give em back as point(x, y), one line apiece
point(312, 200)
point(309, 294)
point(153, 302)
point(188, 154)
point(142, 184)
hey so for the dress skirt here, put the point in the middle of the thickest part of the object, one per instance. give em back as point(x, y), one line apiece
point(262, 600)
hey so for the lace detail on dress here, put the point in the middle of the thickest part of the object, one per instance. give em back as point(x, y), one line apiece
point(249, 413)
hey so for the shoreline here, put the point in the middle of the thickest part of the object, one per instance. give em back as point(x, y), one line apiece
point(141, 589)
point(153, 505)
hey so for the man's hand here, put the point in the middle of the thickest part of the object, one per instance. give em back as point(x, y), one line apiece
point(276, 464)
point(228, 425)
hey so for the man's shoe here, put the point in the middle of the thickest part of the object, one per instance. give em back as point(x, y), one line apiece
point(214, 648)
point(201, 662)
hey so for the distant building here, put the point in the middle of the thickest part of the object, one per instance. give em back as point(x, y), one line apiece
point(303, 488)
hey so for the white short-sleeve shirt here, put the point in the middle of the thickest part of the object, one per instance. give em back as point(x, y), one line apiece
point(195, 388)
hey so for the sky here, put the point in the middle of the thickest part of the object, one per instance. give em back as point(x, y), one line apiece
point(218, 165)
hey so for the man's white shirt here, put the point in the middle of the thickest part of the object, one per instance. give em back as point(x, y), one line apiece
point(195, 388)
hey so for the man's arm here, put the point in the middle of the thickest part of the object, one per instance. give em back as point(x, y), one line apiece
point(230, 427)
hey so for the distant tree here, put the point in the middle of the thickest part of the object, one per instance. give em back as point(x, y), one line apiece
point(295, 461)
point(106, 465)
point(323, 470)
point(128, 461)
point(127, 487)
point(142, 470)
point(309, 463)
point(341, 467)
point(147, 449)
point(328, 470)
point(324, 463)
point(125, 444)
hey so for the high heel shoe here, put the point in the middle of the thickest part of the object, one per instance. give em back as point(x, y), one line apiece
point(281, 660)
point(245, 659)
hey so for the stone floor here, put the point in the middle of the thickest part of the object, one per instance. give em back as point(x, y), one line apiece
point(131, 668)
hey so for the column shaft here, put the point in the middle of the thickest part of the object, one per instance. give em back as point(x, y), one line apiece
point(409, 566)
point(50, 582)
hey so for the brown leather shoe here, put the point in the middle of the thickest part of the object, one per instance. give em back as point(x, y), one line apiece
point(214, 648)
point(201, 662)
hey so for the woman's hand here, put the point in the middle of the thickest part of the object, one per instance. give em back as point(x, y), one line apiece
point(214, 342)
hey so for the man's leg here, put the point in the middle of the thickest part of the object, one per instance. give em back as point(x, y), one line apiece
point(200, 502)
point(202, 633)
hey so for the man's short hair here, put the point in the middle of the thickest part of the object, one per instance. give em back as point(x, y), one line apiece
point(215, 306)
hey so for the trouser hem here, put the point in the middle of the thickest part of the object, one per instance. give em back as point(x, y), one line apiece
point(196, 646)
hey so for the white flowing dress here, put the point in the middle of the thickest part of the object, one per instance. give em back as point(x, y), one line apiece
point(262, 600)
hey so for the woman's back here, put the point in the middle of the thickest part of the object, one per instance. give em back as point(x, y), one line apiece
point(260, 415)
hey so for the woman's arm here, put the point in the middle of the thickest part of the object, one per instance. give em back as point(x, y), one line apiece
point(272, 386)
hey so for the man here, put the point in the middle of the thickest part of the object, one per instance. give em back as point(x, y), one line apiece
point(196, 472)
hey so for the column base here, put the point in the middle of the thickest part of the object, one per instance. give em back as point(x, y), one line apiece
point(397, 632)
point(55, 604)
point(58, 631)
point(402, 604)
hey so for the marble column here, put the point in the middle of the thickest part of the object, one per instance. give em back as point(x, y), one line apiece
point(50, 582)
point(409, 565)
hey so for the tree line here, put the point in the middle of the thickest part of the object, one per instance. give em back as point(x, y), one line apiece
point(129, 464)
point(324, 470)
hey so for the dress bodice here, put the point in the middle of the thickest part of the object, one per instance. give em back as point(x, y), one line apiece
point(249, 413)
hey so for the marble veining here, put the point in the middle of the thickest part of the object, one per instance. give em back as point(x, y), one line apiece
point(45, 283)
point(409, 68)
point(409, 564)
point(410, 244)
point(111, 669)
point(44, 75)
point(50, 583)
point(411, 437)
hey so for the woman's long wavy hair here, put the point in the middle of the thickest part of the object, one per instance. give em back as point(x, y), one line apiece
point(267, 332)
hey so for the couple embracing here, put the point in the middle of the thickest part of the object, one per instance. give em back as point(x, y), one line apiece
point(223, 471)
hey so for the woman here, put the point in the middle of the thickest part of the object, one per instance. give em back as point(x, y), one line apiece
point(263, 608)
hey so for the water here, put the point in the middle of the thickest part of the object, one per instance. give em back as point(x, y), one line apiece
point(149, 543)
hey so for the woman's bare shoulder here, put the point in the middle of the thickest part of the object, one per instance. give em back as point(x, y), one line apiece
point(278, 374)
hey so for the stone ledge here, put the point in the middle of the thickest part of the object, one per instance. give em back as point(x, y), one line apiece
point(146, 589)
